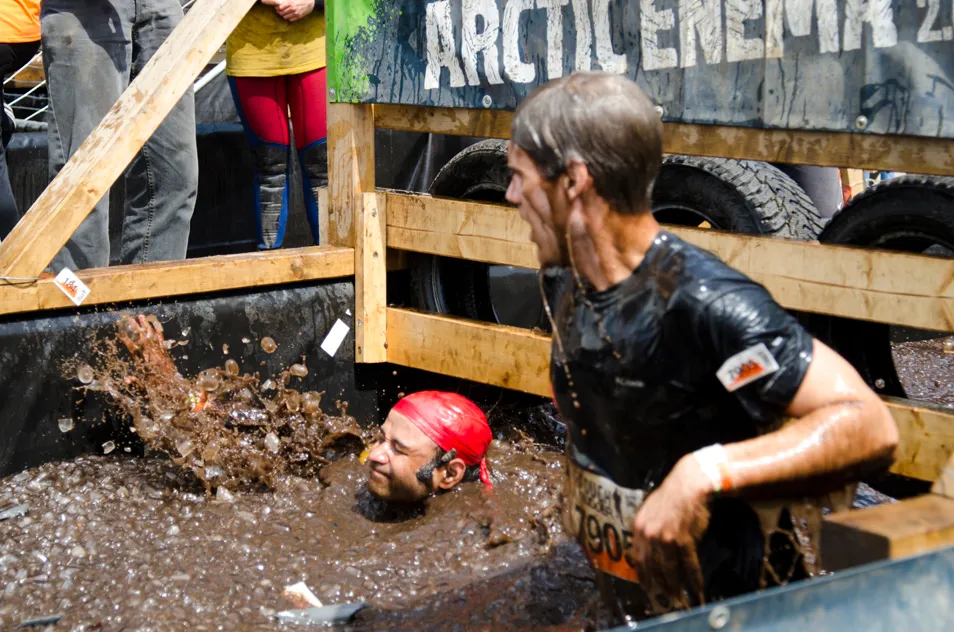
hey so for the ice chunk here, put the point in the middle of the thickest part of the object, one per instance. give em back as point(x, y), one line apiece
point(292, 400)
point(65, 424)
point(78, 551)
point(225, 495)
point(310, 402)
point(269, 345)
point(268, 385)
point(108, 447)
point(208, 380)
point(272, 442)
point(84, 374)
point(185, 447)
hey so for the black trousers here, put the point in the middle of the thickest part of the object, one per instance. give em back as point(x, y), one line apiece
point(12, 57)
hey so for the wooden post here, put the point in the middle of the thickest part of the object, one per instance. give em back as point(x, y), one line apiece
point(912, 526)
point(105, 154)
point(350, 167)
point(370, 281)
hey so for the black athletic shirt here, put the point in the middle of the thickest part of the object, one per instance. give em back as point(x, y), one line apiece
point(643, 357)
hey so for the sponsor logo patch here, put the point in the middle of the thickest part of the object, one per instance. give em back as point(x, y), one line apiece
point(747, 366)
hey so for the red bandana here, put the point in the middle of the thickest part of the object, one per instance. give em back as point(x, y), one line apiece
point(453, 422)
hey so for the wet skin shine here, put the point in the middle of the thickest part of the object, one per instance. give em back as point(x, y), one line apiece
point(839, 425)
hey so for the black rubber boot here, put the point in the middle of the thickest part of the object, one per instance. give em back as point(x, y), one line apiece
point(314, 176)
point(271, 175)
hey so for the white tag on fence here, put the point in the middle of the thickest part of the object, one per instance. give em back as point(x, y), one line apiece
point(70, 284)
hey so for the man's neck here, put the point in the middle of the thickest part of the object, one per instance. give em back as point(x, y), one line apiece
point(611, 246)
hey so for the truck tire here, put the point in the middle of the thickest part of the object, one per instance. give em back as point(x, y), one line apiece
point(464, 288)
point(739, 196)
point(910, 214)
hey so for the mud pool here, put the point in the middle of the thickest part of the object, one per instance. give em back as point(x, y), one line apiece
point(124, 543)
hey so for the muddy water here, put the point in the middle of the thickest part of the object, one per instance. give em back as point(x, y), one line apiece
point(113, 543)
point(925, 368)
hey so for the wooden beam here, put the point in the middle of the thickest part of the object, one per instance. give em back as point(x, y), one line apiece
point(519, 359)
point(370, 286)
point(510, 357)
point(465, 230)
point(103, 157)
point(890, 531)
point(350, 167)
point(927, 438)
point(910, 154)
point(193, 276)
point(944, 484)
point(882, 286)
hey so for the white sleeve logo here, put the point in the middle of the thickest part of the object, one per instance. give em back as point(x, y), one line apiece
point(747, 366)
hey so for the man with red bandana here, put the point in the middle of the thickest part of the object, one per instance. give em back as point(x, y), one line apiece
point(431, 441)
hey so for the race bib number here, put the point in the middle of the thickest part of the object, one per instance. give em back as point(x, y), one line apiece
point(600, 515)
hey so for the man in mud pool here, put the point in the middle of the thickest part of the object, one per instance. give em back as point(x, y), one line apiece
point(673, 371)
point(430, 442)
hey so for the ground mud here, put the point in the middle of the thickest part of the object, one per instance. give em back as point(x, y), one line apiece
point(125, 543)
point(926, 368)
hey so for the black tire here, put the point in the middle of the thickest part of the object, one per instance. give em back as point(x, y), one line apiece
point(740, 196)
point(910, 214)
point(456, 286)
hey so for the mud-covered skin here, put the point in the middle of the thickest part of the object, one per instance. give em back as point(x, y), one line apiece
point(634, 377)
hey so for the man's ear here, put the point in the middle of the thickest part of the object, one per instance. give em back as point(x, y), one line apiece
point(578, 180)
point(454, 472)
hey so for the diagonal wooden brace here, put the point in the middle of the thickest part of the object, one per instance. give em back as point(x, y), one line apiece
point(103, 157)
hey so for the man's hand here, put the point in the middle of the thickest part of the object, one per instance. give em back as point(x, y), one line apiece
point(665, 532)
point(291, 10)
point(143, 338)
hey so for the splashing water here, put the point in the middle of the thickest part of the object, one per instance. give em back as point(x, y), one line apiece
point(221, 425)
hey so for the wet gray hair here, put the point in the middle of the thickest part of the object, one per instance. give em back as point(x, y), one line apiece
point(603, 120)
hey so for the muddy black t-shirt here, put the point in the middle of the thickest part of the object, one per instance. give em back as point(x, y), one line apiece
point(634, 372)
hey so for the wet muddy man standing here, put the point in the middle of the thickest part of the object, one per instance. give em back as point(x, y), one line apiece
point(674, 371)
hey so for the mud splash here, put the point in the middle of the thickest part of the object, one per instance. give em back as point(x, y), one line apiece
point(233, 430)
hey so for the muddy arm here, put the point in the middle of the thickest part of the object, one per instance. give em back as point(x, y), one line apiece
point(839, 425)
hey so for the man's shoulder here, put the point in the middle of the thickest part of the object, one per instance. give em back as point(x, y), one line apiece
point(703, 277)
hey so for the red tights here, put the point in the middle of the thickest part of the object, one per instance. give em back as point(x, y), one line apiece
point(265, 102)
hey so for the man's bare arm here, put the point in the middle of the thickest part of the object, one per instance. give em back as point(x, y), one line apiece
point(838, 424)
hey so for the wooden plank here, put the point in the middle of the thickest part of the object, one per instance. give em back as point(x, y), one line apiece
point(891, 531)
point(881, 286)
point(944, 484)
point(910, 154)
point(927, 438)
point(193, 276)
point(103, 157)
point(852, 182)
point(370, 289)
point(518, 359)
point(510, 357)
point(28, 76)
point(350, 167)
point(465, 230)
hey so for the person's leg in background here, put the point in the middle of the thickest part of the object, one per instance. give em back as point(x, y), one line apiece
point(12, 58)
point(262, 105)
point(308, 102)
point(8, 204)
point(163, 178)
point(87, 53)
